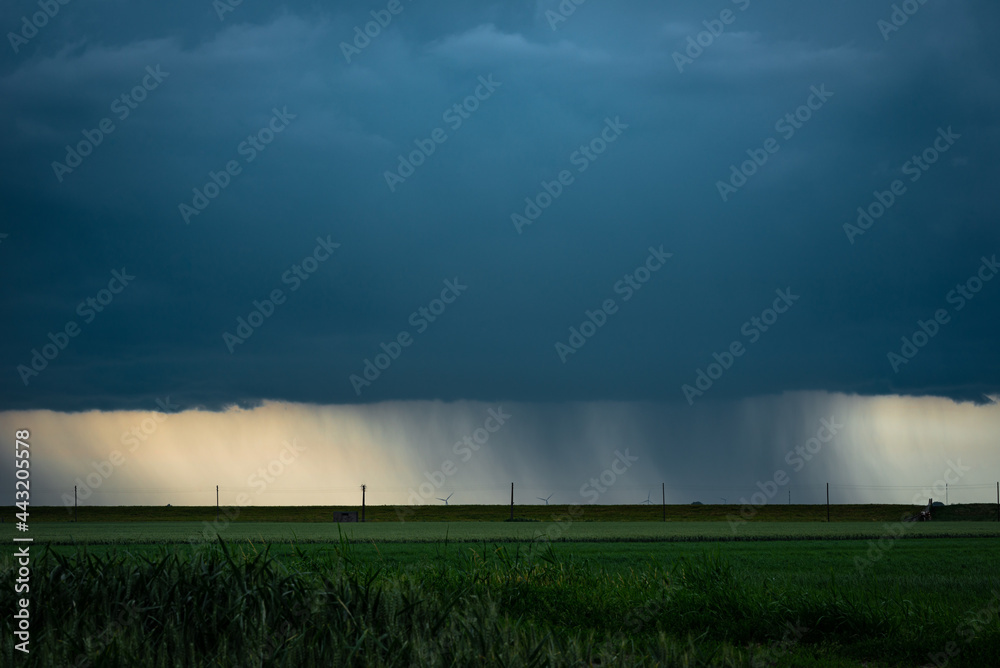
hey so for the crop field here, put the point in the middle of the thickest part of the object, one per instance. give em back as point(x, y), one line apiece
point(102, 533)
point(193, 592)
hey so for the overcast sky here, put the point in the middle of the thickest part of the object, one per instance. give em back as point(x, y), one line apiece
point(496, 202)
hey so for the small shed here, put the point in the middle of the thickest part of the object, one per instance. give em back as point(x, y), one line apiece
point(345, 516)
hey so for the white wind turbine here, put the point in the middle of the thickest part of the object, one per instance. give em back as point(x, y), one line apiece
point(446, 499)
point(546, 499)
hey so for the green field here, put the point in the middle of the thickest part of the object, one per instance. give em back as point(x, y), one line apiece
point(97, 533)
point(189, 592)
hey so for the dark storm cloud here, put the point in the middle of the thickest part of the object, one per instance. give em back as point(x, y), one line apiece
point(207, 84)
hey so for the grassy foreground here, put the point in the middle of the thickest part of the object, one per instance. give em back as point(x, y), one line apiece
point(557, 591)
point(347, 604)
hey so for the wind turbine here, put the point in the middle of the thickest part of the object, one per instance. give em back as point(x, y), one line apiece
point(546, 499)
point(446, 499)
point(723, 499)
point(647, 501)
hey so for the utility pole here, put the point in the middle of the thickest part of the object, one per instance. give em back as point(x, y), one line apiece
point(364, 488)
point(511, 502)
point(216, 504)
point(827, 502)
point(789, 497)
point(74, 503)
point(998, 502)
point(664, 490)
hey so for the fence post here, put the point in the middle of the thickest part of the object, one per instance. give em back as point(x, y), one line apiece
point(664, 490)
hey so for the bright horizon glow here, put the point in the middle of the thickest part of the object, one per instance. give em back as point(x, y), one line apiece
point(889, 449)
